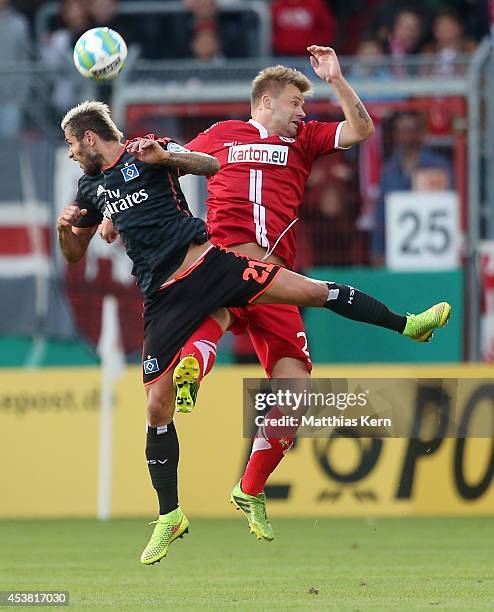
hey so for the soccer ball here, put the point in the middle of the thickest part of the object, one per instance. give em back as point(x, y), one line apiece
point(100, 54)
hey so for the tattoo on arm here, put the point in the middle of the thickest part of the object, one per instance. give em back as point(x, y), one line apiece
point(194, 163)
point(362, 113)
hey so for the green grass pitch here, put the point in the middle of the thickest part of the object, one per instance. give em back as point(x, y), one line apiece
point(319, 564)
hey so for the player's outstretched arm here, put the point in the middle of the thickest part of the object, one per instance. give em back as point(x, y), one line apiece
point(358, 125)
point(188, 162)
point(73, 240)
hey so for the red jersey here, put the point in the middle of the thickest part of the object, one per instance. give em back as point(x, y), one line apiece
point(256, 194)
point(300, 23)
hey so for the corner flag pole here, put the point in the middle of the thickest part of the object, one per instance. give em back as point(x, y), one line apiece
point(112, 367)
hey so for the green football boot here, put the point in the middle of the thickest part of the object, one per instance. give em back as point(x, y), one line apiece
point(254, 508)
point(420, 327)
point(167, 529)
point(185, 377)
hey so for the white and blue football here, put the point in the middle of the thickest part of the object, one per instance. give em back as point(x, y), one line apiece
point(100, 54)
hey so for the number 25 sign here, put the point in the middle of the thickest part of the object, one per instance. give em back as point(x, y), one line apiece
point(422, 230)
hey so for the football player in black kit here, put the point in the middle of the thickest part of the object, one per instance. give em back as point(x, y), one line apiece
point(182, 276)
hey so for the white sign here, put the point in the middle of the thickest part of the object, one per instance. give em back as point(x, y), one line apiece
point(422, 230)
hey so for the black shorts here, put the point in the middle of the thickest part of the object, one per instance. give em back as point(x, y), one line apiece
point(174, 312)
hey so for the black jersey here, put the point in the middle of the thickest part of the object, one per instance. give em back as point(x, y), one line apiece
point(149, 211)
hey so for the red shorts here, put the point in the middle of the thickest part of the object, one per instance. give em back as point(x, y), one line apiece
point(276, 331)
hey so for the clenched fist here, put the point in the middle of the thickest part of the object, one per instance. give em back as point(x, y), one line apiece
point(70, 215)
point(107, 232)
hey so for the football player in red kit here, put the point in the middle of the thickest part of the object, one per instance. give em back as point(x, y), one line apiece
point(253, 204)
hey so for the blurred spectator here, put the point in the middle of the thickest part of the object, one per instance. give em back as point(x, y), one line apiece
point(368, 56)
point(447, 45)
point(57, 49)
point(329, 211)
point(205, 12)
point(383, 16)
point(105, 13)
point(229, 31)
point(412, 166)
point(14, 50)
point(300, 23)
point(332, 228)
point(206, 46)
point(370, 62)
point(405, 38)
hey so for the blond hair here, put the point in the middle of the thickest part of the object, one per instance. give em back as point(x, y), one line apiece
point(91, 115)
point(274, 79)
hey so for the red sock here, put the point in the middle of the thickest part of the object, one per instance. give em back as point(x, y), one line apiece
point(202, 344)
point(268, 449)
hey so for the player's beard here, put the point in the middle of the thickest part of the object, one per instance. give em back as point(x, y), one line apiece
point(92, 162)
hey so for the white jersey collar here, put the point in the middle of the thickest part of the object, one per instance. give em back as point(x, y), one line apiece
point(263, 132)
